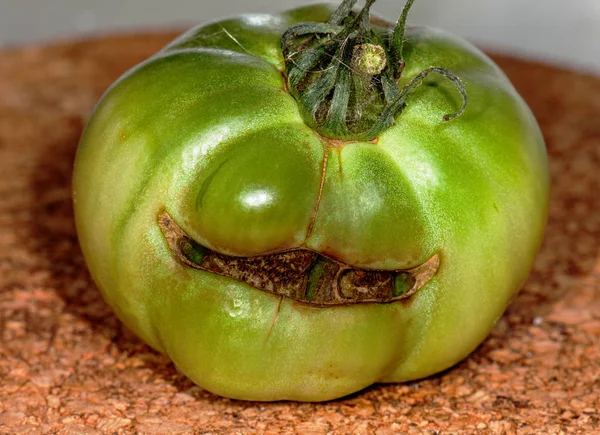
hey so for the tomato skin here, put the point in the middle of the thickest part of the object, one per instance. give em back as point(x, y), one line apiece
point(206, 131)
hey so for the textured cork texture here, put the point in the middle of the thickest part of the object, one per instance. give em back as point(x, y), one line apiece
point(68, 366)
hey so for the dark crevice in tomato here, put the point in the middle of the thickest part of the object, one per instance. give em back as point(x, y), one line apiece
point(301, 274)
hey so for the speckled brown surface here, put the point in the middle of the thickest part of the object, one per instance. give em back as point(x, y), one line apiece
point(67, 366)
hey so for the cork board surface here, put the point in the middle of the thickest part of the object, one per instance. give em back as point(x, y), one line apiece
point(68, 366)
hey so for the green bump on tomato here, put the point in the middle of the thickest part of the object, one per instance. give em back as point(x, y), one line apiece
point(295, 206)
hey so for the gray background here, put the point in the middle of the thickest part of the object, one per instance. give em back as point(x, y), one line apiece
point(564, 32)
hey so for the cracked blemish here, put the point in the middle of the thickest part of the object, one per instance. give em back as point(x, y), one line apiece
point(300, 274)
point(236, 307)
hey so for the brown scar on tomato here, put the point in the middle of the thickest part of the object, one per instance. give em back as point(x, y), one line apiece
point(301, 274)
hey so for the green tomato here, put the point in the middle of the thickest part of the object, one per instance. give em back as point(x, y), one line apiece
point(271, 259)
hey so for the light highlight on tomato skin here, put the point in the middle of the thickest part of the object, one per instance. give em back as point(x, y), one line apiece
point(206, 131)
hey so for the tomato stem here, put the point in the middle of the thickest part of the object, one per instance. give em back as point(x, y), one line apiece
point(345, 74)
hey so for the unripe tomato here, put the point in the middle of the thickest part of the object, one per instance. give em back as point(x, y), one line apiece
point(231, 229)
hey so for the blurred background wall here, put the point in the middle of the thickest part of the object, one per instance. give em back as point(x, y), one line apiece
point(563, 32)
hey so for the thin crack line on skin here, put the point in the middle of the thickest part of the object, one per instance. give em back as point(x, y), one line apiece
point(320, 194)
point(274, 319)
point(234, 39)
